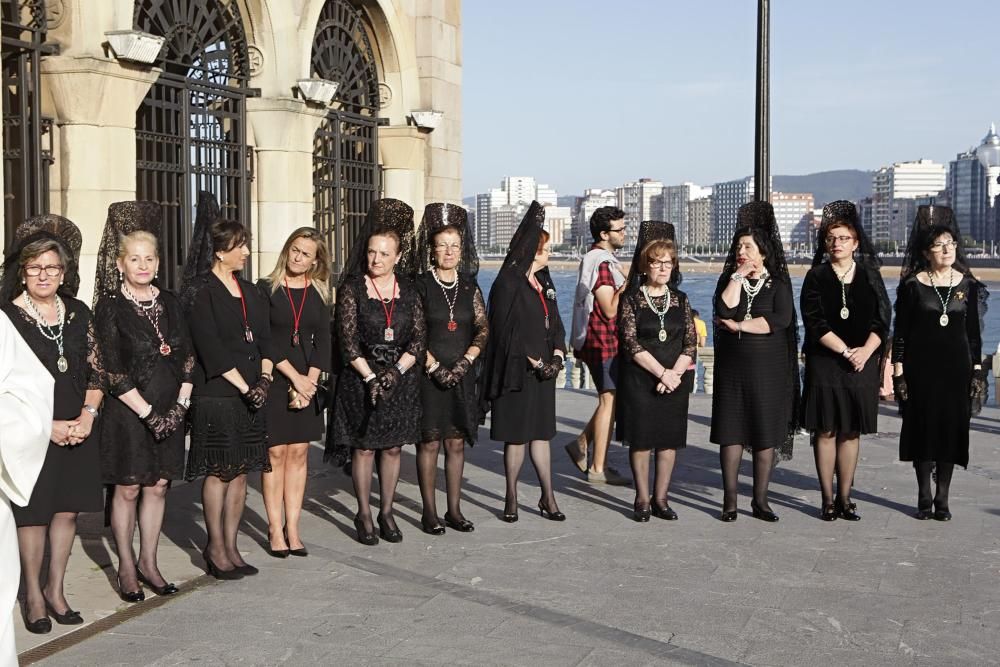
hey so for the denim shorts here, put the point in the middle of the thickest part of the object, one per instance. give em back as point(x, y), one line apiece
point(604, 375)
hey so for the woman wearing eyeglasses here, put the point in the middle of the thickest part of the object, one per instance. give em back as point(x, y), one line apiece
point(40, 279)
point(937, 353)
point(846, 312)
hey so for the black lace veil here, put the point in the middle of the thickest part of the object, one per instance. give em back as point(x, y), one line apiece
point(384, 215)
point(447, 216)
point(124, 217)
point(199, 255)
point(756, 219)
point(36, 228)
point(651, 230)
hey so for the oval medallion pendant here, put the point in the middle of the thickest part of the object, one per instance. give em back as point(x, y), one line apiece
point(844, 313)
point(943, 320)
point(62, 364)
point(747, 317)
point(663, 335)
point(165, 350)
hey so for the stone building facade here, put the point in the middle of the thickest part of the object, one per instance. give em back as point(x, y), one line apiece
point(93, 113)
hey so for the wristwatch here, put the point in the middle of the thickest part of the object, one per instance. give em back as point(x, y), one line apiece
point(92, 410)
point(184, 401)
point(737, 277)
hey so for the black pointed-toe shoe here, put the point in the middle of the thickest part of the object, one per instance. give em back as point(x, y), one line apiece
point(365, 536)
point(461, 524)
point(762, 514)
point(393, 535)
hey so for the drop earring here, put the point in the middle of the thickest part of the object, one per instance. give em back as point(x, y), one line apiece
point(121, 276)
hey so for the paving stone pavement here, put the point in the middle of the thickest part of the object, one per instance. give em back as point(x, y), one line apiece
point(598, 589)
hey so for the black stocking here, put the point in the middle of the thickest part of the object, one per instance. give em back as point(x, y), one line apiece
point(763, 464)
point(944, 471)
point(541, 458)
point(388, 476)
point(427, 460)
point(454, 467)
point(639, 461)
point(923, 469)
point(730, 457)
point(513, 459)
point(362, 464)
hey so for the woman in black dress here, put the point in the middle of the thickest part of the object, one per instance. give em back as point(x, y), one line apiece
point(846, 312)
point(229, 324)
point(381, 332)
point(756, 362)
point(40, 279)
point(456, 335)
point(299, 294)
point(937, 355)
point(147, 359)
point(658, 343)
point(523, 357)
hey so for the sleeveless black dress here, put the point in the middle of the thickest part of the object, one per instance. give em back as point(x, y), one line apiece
point(131, 359)
point(70, 479)
point(361, 324)
point(645, 419)
point(451, 413)
point(937, 366)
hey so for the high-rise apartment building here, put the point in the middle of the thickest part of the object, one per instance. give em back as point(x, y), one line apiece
point(675, 202)
point(699, 230)
point(635, 199)
point(558, 223)
point(486, 203)
point(902, 180)
point(727, 197)
point(519, 189)
point(967, 190)
point(506, 218)
point(792, 211)
point(546, 195)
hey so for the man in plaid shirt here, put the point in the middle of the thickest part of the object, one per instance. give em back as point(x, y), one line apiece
point(595, 339)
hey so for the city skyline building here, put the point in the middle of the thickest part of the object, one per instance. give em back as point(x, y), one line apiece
point(546, 195)
point(559, 224)
point(700, 222)
point(901, 180)
point(727, 197)
point(673, 206)
point(519, 189)
point(635, 199)
point(793, 211)
point(967, 190)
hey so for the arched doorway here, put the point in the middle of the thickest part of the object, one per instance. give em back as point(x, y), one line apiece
point(345, 155)
point(26, 151)
point(191, 127)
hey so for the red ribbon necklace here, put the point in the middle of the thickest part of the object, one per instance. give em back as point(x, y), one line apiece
point(247, 332)
point(296, 316)
point(545, 306)
point(389, 334)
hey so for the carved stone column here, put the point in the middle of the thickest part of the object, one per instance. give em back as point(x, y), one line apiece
point(402, 151)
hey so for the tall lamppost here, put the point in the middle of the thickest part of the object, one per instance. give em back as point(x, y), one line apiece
point(989, 156)
point(762, 127)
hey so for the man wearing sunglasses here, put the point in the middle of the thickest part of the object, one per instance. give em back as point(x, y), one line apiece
point(595, 339)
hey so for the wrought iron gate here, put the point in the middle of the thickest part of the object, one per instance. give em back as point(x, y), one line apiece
point(191, 127)
point(345, 155)
point(27, 151)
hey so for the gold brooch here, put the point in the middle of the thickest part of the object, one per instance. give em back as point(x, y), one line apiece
point(959, 296)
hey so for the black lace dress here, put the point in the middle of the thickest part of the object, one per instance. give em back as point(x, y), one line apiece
point(70, 480)
point(361, 322)
point(836, 399)
point(937, 365)
point(451, 413)
point(284, 424)
point(228, 437)
point(754, 399)
point(131, 359)
point(644, 418)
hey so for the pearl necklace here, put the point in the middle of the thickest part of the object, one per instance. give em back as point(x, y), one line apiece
point(752, 292)
point(943, 320)
point(844, 310)
point(660, 314)
point(49, 331)
point(450, 298)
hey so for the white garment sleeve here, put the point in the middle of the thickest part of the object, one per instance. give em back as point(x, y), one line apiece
point(26, 398)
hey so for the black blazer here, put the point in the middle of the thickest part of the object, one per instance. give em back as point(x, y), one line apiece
point(216, 323)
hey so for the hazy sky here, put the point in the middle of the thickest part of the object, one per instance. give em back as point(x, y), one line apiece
point(580, 93)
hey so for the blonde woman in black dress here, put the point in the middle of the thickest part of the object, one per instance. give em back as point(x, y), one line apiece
point(299, 293)
point(40, 279)
point(148, 361)
point(456, 335)
point(658, 343)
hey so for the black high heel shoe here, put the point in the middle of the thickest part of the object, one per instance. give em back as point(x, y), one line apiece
point(830, 512)
point(462, 525)
point(549, 514)
point(942, 514)
point(365, 536)
point(393, 535)
point(217, 572)
point(666, 512)
point(165, 589)
point(301, 552)
point(70, 617)
point(762, 514)
point(923, 514)
point(509, 517)
point(640, 513)
point(129, 596)
point(848, 511)
point(431, 528)
point(728, 516)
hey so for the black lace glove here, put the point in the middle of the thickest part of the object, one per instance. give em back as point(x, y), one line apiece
point(899, 389)
point(389, 380)
point(443, 377)
point(460, 368)
point(161, 426)
point(551, 369)
point(374, 392)
point(256, 396)
point(979, 390)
